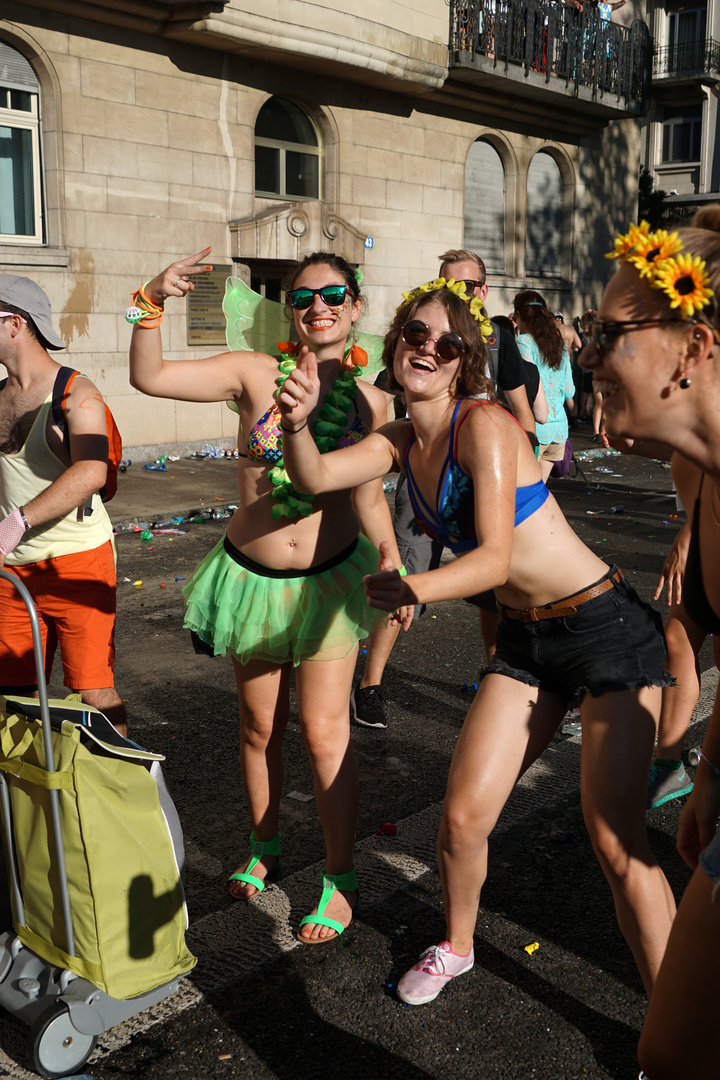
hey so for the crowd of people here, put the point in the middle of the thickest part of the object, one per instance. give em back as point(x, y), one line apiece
point(312, 563)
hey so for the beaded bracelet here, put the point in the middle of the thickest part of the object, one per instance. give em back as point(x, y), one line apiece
point(143, 311)
point(709, 762)
point(21, 512)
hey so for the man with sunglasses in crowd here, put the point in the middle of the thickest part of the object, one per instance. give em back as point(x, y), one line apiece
point(418, 552)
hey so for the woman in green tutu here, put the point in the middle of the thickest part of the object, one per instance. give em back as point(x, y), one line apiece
point(284, 588)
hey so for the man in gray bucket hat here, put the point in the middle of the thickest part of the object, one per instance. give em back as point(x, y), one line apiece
point(55, 533)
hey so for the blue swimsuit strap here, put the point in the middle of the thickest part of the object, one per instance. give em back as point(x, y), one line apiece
point(434, 522)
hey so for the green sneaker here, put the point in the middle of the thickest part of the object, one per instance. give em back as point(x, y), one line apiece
point(666, 784)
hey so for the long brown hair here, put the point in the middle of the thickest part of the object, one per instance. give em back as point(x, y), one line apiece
point(541, 324)
point(472, 379)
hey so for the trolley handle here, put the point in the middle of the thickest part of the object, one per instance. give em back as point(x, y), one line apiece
point(7, 575)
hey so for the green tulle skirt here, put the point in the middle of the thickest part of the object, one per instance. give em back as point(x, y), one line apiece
point(239, 608)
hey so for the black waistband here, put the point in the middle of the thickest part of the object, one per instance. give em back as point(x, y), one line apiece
point(271, 572)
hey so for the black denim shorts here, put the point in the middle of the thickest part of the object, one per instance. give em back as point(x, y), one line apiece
point(614, 642)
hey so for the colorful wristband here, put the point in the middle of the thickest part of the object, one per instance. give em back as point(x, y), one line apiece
point(402, 571)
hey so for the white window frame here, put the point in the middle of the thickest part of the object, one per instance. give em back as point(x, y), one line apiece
point(27, 121)
point(283, 146)
point(679, 121)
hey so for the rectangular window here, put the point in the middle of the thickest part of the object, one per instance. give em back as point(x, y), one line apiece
point(267, 168)
point(301, 174)
point(686, 40)
point(20, 192)
point(682, 133)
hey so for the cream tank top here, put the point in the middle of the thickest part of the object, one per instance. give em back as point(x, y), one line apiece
point(25, 475)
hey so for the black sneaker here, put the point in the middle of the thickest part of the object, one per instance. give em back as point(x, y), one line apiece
point(366, 706)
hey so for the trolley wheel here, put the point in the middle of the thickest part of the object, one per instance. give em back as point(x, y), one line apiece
point(56, 1047)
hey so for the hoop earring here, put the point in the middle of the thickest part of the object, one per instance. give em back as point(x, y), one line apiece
point(684, 382)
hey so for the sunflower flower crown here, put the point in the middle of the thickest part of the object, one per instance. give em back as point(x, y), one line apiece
point(658, 256)
point(457, 287)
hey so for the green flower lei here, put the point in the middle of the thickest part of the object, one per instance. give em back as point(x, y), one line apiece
point(327, 430)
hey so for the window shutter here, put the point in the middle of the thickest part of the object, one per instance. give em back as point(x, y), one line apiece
point(15, 71)
point(484, 227)
point(543, 242)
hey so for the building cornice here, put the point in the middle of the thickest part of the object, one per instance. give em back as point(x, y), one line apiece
point(358, 49)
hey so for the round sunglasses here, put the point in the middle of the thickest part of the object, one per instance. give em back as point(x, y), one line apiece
point(448, 347)
point(331, 296)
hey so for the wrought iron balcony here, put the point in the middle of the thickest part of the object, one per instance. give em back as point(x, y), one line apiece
point(558, 42)
point(691, 58)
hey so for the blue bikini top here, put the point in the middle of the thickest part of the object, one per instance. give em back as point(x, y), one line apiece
point(452, 521)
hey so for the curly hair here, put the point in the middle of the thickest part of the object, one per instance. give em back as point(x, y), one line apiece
point(472, 378)
point(541, 324)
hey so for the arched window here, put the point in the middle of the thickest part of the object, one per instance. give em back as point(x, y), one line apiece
point(484, 227)
point(287, 152)
point(20, 178)
point(543, 242)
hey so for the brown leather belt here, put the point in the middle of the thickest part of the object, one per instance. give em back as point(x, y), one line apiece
point(566, 607)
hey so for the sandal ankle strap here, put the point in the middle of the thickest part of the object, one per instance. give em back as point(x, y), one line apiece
point(345, 882)
point(265, 847)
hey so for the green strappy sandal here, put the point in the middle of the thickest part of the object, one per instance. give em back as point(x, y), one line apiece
point(259, 848)
point(346, 883)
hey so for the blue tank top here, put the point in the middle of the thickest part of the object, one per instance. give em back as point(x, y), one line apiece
point(452, 521)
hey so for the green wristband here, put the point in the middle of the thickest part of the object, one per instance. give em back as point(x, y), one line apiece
point(402, 572)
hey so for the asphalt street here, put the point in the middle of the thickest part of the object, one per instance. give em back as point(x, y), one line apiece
point(258, 1003)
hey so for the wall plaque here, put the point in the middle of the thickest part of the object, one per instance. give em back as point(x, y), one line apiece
point(205, 319)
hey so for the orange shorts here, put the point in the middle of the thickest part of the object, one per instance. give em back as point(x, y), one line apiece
point(75, 600)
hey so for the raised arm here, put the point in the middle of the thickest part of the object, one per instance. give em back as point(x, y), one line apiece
point(308, 469)
point(488, 452)
point(213, 378)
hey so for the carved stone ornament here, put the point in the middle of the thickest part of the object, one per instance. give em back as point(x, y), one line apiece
point(289, 231)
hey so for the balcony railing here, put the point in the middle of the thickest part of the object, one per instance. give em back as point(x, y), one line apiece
point(556, 40)
point(691, 58)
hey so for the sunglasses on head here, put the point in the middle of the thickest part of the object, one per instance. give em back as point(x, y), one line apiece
point(448, 346)
point(604, 334)
point(331, 296)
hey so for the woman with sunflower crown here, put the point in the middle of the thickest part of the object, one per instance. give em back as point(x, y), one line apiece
point(284, 588)
point(655, 353)
point(572, 630)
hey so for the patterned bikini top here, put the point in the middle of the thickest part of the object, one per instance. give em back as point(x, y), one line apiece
point(264, 443)
point(452, 519)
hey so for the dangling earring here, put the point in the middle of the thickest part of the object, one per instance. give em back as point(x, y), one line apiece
point(357, 357)
point(684, 382)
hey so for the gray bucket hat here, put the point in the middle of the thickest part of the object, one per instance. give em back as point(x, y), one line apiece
point(24, 293)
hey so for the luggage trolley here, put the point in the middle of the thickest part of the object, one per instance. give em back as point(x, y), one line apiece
point(66, 1012)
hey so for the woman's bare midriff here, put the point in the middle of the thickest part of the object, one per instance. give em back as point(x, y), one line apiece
point(549, 561)
point(290, 543)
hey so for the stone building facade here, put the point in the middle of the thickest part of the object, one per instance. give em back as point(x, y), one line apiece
point(388, 131)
